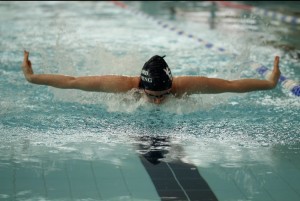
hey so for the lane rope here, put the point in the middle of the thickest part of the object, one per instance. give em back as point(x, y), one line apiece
point(292, 20)
point(290, 85)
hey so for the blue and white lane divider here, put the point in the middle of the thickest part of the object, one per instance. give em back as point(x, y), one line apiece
point(293, 20)
point(180, 32)
point(286, 83)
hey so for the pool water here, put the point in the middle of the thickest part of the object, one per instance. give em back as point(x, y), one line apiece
point(74, 145)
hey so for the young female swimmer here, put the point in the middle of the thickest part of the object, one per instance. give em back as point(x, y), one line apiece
point(156, 82)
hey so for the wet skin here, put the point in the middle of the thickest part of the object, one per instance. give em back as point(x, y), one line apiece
point(157, 97)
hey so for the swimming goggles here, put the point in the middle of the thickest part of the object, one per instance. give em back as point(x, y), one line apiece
point(157, 96)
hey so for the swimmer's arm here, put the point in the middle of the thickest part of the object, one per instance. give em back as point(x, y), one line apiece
point(104, 83)
point(193, 84)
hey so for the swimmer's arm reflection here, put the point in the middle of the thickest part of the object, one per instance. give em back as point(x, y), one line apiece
point(181, 85)
point(104, 83)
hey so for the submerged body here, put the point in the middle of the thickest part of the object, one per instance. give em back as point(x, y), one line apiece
point(176, 86)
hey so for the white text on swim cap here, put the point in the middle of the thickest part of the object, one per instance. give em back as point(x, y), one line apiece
point(146, 79)
point(145, 72)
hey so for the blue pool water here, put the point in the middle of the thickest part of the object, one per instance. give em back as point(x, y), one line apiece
point(75, 145)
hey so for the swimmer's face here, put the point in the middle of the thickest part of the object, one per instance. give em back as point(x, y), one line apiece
point(157, 97)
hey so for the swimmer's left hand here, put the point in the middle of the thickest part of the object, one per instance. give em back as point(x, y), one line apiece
point(274, 77)
point(26, 66)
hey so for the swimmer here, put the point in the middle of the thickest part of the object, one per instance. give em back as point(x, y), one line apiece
point(155, 83)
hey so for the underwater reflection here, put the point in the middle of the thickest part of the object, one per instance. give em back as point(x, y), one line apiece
point(172, 179)
point(154, 148)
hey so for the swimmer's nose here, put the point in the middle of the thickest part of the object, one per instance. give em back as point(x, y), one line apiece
point(158, 100)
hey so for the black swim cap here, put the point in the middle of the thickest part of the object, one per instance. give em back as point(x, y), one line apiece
point(156, 75)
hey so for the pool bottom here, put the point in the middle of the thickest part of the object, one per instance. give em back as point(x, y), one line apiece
point(149, 169)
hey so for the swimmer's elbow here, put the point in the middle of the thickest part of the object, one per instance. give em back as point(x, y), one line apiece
point(271, 85)
point(72, 83)
point(82, 83)
point(30, 78)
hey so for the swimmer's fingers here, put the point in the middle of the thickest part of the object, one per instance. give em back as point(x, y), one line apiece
point(276, 72)
point(26, 65)
point(276, 69)
point(276, 62)
point(26, 61)
point(26, 55)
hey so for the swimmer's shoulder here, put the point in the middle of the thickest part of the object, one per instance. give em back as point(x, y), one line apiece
point(135, 82)
point(188, 84)
point(127, 83)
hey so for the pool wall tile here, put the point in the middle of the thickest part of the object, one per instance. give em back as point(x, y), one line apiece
point(138, 182)
point(7, 181)
point(111, 188)
point(57, 184)
point(81, 180)
point(29, 183)
point(284, 194)
point(222, 185)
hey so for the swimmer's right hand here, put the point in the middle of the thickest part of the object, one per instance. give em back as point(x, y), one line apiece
point(26, 66)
